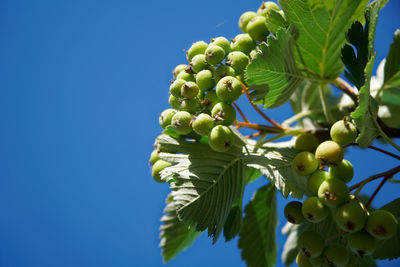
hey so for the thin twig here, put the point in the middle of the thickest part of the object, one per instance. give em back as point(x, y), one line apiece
point(346, 88)
point(259, 127)
point(253, 135)
point(240, 112)
point(361, 184)
point(376, 191)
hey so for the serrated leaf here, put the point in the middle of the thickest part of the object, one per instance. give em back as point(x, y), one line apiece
point(365, 114)
point(275, 21)
point(392, 65)
point(322, 26)
point(257, 237)
point(274, 161)
point(252, 174)
point(175, 236)
point(390, 249)
point(273, 75)
point(205, 184)
point(233, 223)
point(363, 41)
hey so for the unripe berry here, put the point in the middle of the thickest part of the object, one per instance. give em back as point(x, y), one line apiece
point(221, 138)
point(311, 244)
point(189, 90)
point(229, 89)
point(223, 71)
point(205, 80)
point(306, 142)
point(154, 157)
point(329, 153)
point(336, 255)
point(198, 63)
point(210, 100)
point(265, 8)
point(302, 261)
point(362, 243)
point(350, 217)
point(245, 18)
point(243, 43)
point(333, 192)
point(223, 43)
point(203, 124)
point(197, 48)
point(343, 132)
point(174, 102)
point(292, 212)
point(238, 61)
point(313, 210)
point(353, 262)
point(166, 116)
point(344, 171)
point(257, 28)
point(182, 122)
point(178, 69)
point(315, 181)
point(223, 113)
point(319, 261)
point(305, 163)
point(214, 54)
point(381, 224)
point(158, 166)
point(190, 105)
point(175, 87)
point(184, 75)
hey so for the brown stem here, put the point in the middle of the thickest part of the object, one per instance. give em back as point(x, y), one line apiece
point(390, 173)
point(347, 89)
point(380, 150)
point(259, 127)
point(240, 112)
point(376, 191)
point(253, 135)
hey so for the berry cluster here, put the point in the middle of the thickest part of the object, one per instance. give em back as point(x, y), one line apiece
point(359, 231)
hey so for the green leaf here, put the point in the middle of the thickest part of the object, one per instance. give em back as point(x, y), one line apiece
point(252, 174)
point(367, 261)
point(291, 247)
point(257, 237)
point(273, 75)
point(205, 184)
point(274, 161)
point(275, 21)
point(363, 40)
point(390, 249)
point(392, 65)
point(365, 114)
point(233, 223)
point(322, 26)
point(175, 235)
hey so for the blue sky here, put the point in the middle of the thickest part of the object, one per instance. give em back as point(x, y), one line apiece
point(81, 87)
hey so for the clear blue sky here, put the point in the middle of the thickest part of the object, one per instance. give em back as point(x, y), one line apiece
point(81, 87)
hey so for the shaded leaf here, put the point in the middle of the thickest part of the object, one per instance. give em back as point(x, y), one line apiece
point(233, 223)
point(257, 237)
point(291, 247)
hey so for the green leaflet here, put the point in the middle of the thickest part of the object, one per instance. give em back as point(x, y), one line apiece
point(273, 75)
point(175, 235)
point(322, 26)
point(257, 237)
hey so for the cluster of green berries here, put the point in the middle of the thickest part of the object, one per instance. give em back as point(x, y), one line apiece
point(203, 91)
point(329, 193)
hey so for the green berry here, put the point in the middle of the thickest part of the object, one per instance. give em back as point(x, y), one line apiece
point(336, 255)
point(182, 122)
point(189, 90)
point(315, 181)
point(292, 212)
point(178, 69)
point(245, 18)
point(329, 153)
point(198, 63)
point(362, 243)
point(243, 43)
point(265, 8)
point(238, 61)
point(154, 156)
point(353, 262)
point(158, 166)
point(305, 163)
point(175, 88)
point(257, 28)
point(221, 138)
point(313, 210)
point(214, 54)
point(344, 171)
point(319, 261)
point(223, 71)
point(197, 48)
point(302, 261)
point(184, 75)
point(166, 116)
point(333, 192)
point(174, 102)
point(223, 43)
point(343, 132)
point(190, 105)
point(224, 114)
point(203, 124)
point(205, 80)
point(229, 89)
point(311, 244)
point(350, 217)
point(306, 142)
point(210, 100)
point(381, 224)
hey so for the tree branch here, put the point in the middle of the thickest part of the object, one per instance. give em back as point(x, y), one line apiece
point(361, 184)
point(259, 127)
point(346, 88)
point(240, 112)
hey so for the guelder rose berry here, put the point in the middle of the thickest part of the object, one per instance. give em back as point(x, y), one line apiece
point(214, 54)
point(257, 28)
point(344, 171)
point(302, 261)
point(245, 18)
point(292, 212)
point(166, 116)
point(197, 48)
point(223, 113)
point(336, 255)
point(189, 90)
point(315, 181)
point(381, 224)
point(362, 243)
point(266, 7)
point(313, 210)
point(333, 192)
point(350, 217)
point(305, 163)
point(184, 75)
point(229, 89)
point(238, 61)
point(178, 69)
point(210, 100)
point(311, 244)
point(181, 122)
point(243, 42)
point(198, 63)
point(221, 138)
point(205, 80)
point(343, 132)
point(306, 142)
point(203, 124)
point(329, 153)
point(154, 156)
point(223, 71)
point(223, 43)
point(175, 87)
point(158, 166)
